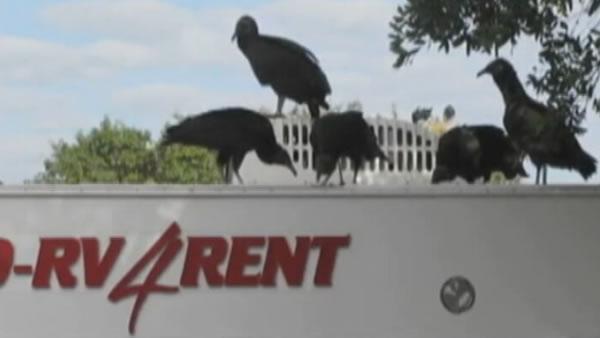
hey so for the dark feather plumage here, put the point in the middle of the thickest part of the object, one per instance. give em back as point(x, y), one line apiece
point(472, 152)
point(335, 136)
point(232, 132)
point(537, 130)
point(289, 68)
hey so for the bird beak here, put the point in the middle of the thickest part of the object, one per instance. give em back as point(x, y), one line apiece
point(522, 172)
point(383, 157)
point(233, 37)
point(483, 72)
point(292, 169)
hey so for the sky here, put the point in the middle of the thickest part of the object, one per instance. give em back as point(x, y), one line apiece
point(65, 65)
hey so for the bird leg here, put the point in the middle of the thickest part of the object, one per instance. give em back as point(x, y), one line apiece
point(229, 171)
point(239, 178)
point(545, 174)
point(327, 179)
point(280, 102)
point(356, 167)
point(537, 174)
point(225, 172)
point(236, 163)
point(342, 183)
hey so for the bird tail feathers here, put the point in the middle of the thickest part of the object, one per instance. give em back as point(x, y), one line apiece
point(583, 162)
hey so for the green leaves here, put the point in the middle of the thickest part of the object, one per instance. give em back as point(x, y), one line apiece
point(186, 165)
point(479, 25)
point(569, 59)
point(115, 153)
point(569, 72)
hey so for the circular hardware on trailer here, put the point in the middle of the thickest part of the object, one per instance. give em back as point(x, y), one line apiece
point(457, 295)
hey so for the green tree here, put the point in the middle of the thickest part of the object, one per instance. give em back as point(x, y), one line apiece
point(568, 34)
point(186, 165)
point(115, 153)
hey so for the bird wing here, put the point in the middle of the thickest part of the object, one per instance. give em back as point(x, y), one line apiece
point(554, 143)
point(537, 129)
point(470, 147)
point(330, 134)
point(274, 58)
point(345, 134)
point(291, 45)
point(222, 129)
point(525, 122)
point(487, 132)
point(254, 130)
point(198, 130)
point(495, 145)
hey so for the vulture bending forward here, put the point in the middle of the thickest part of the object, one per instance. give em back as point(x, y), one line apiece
point(335, 136)
point(232, 133)
point(471, 152)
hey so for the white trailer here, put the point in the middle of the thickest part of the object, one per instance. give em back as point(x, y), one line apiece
point(299, 262)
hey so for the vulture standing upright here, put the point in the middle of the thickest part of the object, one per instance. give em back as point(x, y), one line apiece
point(290, 69)
point(537, 130)
point(232, 133)
point(335, 136)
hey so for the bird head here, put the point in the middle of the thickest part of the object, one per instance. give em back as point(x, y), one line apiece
point(168, 136)
point(277, 155)
point(513, 166)
point(245, 27)
point(496, 68)
point(442, 174)
point(377, 153)
point(373, 150)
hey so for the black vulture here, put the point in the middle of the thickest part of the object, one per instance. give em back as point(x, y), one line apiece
point(232, 132)
point(290, 69)
point(472, 152)
point(538, 131)
point(336, 136)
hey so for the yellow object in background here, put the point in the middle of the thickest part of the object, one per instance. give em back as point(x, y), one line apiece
point(438, 126)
